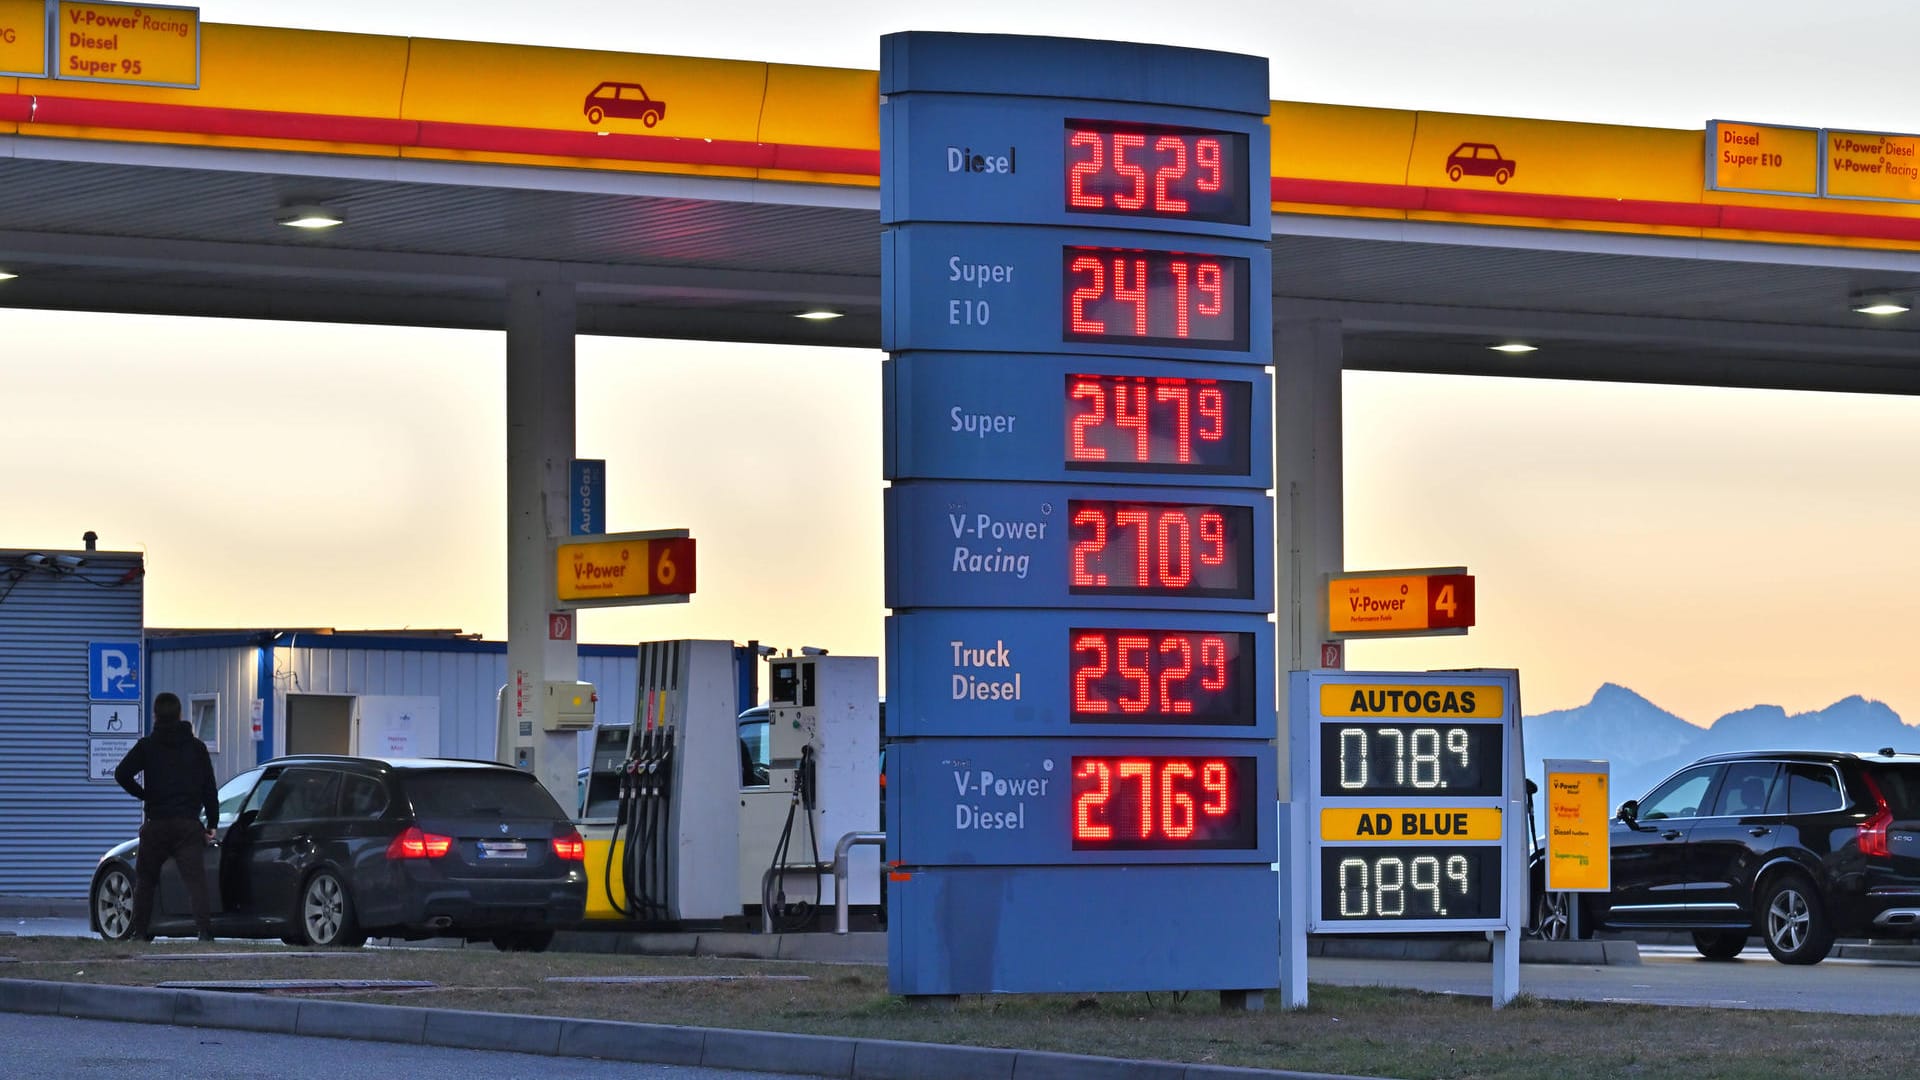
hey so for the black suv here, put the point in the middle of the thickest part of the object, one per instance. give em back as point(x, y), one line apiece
point(320, 850)
point(1800, 846)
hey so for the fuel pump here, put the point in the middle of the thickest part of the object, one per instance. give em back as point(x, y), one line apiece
point(656, 857)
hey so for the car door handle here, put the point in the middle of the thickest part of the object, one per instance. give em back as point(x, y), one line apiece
point(1758, 830)
point(1670, 834)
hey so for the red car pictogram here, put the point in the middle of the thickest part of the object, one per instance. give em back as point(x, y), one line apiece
point(1478, 159)
point(627, 100)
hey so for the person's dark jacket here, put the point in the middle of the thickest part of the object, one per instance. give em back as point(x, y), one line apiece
point(179, 774)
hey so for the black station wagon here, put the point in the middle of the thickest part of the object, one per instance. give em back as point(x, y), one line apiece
point(1799, 847)
point(331, 850)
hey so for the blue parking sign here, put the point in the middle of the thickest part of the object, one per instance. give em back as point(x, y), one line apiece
point(113, 671)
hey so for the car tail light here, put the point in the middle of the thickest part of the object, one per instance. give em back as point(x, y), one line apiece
point(1873, 831)
point(417, 844)
point(570, 847)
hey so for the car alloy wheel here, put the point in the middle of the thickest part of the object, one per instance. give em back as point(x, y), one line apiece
point(1796, 923)
point(326, 914)
point(113, 904)
point(1555, 921)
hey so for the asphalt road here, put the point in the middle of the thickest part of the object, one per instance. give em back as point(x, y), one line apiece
point(54, 1047)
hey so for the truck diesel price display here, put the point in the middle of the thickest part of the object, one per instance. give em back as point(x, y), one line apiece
point(1162, 677)
point(1154, 170)
point(1130, 423)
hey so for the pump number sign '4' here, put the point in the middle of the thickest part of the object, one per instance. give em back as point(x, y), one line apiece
point(1410, 782)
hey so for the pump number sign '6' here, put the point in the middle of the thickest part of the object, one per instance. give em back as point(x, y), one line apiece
point(1411, 782)
point(624, 568)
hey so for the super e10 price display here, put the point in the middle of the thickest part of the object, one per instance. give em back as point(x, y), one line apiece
point(1139, 297)
point(1409, 882)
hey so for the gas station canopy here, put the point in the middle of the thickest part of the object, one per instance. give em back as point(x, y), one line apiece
point(709, 199)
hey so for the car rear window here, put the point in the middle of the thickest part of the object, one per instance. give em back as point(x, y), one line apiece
point(488, 792)
point(1901, 785)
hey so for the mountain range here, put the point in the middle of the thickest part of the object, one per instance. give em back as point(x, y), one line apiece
point(1644, 743)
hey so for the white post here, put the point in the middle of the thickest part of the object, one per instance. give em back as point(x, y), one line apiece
point(540, 419)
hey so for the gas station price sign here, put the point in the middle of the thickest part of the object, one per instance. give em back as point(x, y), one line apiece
point(1077, 300)
point(1412, 782)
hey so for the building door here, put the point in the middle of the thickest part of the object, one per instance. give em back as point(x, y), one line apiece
point(319, 724)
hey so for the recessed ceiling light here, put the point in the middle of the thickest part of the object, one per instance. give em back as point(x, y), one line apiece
point(4, 276)
point(820, 316)
point(1880, 304)
point(1514, 347)
point(311, 217)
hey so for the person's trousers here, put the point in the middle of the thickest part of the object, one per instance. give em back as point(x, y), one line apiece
point(184, 840)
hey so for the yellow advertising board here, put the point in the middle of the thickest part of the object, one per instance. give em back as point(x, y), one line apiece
point(23, 38)
point(1462, 702)
point(142, 44)
point(1762, 158)
point(1400, 824)
point(1578, 858)
point(1868, 165)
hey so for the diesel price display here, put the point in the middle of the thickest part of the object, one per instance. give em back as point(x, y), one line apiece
point(1155, 170)
point(1161, 676)
point(1148, 803)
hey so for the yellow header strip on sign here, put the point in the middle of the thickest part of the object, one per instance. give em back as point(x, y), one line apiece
point(1399, 824)
point(23, 38)
point(1454, 700)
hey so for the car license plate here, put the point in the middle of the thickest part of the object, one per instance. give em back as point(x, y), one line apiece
point(502, 849)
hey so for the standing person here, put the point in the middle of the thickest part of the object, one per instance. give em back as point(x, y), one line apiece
point(179, 784)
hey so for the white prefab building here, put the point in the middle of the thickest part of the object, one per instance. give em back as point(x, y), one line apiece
point(253, 695)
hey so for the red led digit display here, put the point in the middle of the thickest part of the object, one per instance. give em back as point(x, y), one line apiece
point(1156, 171)
point(1143, 297)
point(1160, 549)
point(1161, 676)
point(1144, 803)
point(1131, 423)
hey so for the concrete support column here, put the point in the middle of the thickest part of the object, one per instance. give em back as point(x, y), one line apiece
point(1307, 495)
point(540, 415)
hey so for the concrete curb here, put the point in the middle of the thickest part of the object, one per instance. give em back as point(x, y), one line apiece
point(767, 1051)
point(1472, 951)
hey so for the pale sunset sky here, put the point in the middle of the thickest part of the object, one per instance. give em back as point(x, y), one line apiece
point(1712, 549)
